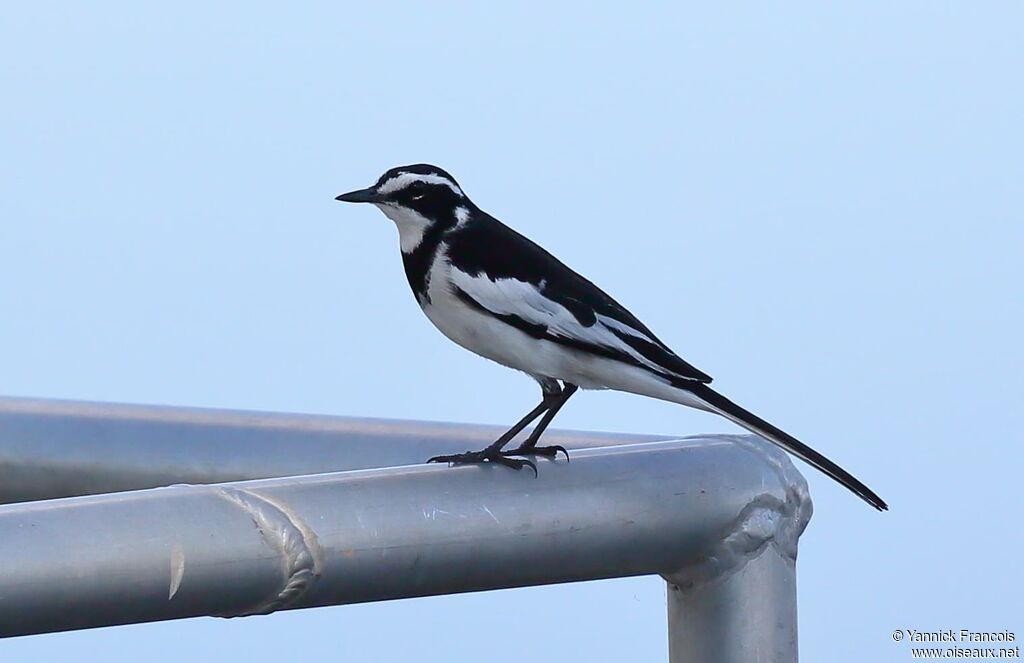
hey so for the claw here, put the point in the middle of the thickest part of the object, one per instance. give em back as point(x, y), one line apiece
point(528, 463)
point(549, 452)
point(454, 458)
point(485, 456)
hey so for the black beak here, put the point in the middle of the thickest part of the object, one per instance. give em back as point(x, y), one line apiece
point(360, 196)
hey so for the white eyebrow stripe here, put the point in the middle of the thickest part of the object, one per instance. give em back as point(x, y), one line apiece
point(403, 180)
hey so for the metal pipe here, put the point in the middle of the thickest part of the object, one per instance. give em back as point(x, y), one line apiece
point(717, 516)
point(53, 448)
point(705, 620)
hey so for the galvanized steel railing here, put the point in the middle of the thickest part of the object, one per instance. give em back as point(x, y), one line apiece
point(717, 516)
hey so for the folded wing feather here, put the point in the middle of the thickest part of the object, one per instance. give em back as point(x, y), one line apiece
point(525, 306)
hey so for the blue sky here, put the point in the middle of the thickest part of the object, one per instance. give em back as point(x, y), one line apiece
point(818, 205)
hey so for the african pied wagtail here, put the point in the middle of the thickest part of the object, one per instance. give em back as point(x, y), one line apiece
point(498, 294)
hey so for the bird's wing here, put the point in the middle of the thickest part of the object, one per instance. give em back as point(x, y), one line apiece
point(528, 288)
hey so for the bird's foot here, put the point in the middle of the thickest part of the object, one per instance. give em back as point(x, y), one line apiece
point(495, 457)
point(549, 452)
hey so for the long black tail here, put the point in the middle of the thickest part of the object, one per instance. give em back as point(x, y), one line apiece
point(723, 406)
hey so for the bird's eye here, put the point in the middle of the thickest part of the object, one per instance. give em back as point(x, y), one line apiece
point(417, 190)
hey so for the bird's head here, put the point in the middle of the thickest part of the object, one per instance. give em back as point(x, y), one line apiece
point(416, 198)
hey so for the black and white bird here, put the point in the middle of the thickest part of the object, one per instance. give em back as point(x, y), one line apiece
point(496, 293)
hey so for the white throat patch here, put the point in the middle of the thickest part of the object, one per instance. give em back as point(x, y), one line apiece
point(411, 225)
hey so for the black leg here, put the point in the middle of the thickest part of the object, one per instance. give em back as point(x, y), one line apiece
point(529, 447)
point(493, 454)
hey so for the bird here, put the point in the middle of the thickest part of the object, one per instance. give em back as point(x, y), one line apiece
point(498, 294)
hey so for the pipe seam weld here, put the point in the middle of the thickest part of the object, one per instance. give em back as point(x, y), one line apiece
point(765, 520)
point(288, 535)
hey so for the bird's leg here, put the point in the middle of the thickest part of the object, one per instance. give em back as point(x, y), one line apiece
point(529, 447)
point(493, 453)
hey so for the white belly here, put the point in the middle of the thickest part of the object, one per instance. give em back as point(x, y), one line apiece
point(489, 337)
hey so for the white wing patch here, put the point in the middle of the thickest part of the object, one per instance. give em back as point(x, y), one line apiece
point(525, 301)
point(623, 327)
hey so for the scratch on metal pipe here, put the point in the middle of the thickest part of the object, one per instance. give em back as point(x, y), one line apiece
point(484, 507)
point(177, 569)
point(432, 515)
point(290, 537)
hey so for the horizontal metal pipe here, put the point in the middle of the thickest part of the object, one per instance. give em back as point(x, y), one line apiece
point(694, 510)
point(54, 448)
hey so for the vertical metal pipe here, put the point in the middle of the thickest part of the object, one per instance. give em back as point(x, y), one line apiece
point(748, 616)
